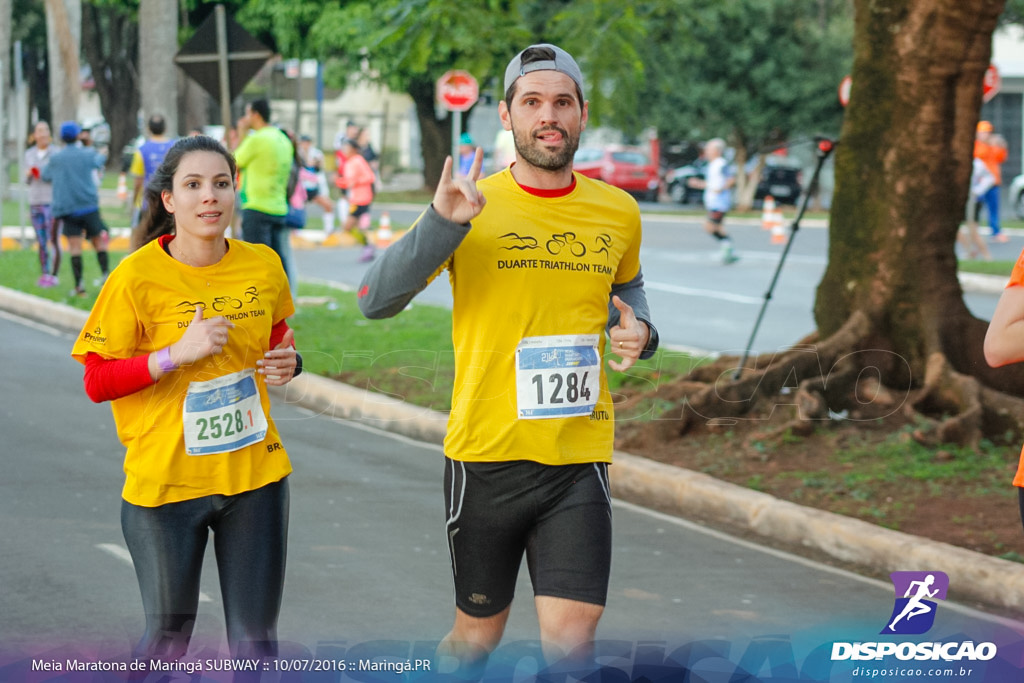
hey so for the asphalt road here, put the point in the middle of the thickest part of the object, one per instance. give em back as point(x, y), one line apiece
point(368, 568)
point(696, 302)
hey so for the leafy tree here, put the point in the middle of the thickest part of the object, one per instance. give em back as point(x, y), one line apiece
point(901, 185)
point(756, 72)
point(894, 334)
point(408, 44)
point(110, 42)
point(29, 26)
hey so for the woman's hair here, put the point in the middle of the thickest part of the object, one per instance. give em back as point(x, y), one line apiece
point(155, 220)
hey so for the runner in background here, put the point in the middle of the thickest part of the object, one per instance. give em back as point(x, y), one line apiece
point(357, 180)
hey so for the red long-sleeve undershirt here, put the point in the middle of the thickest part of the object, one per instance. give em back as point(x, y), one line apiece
point(109, 378)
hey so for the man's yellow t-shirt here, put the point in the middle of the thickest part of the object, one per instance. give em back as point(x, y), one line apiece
point(146, 304)
point(531, 270)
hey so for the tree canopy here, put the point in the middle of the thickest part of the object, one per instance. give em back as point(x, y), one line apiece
point(683, 68)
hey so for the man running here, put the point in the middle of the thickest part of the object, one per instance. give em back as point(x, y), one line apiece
point(548, 266)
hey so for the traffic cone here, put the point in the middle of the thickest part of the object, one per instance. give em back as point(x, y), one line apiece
point(122, 187)
point(768, 215)
point(383, 236)
point(778, 234)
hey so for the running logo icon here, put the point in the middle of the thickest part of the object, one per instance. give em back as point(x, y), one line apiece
point(914, 609)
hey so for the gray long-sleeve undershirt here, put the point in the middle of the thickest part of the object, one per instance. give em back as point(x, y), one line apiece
point(408, 266)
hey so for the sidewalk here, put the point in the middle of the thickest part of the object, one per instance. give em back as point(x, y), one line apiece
point(974, 576)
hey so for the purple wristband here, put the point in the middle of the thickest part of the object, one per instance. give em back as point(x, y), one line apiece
point(163, 360)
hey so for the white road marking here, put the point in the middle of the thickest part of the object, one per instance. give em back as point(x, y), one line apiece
point(28, 322)
point(782, 554)
point(121, 553)
point(705, 293)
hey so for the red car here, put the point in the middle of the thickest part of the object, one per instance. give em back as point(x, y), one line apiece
point(628, 168)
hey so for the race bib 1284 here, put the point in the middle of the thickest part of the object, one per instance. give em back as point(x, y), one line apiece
point(557, 376)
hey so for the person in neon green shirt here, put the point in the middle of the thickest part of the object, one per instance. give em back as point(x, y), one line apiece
point(264, 158)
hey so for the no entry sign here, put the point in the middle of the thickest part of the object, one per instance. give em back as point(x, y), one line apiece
point(457, 90)
point(990, 84)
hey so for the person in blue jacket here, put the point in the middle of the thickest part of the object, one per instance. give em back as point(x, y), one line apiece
point(76, 200)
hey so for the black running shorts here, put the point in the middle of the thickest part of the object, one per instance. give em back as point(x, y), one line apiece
point(560, 516)
point(90, 223)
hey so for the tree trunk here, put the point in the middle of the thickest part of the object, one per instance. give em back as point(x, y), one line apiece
point(158, 43)
point(895, 338)
point(902, 172)
point(5, 58)
point(435, 135)
point(63, 37)
point(111, 41)
point(6, 104)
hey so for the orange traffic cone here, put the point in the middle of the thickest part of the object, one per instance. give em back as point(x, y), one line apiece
point(768, 214)
point(122, 188)
point(778, 234)
point(382, 238)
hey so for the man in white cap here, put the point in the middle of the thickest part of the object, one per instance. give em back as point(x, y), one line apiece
point(548, 267)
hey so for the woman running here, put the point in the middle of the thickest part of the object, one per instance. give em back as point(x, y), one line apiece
point(184, 338)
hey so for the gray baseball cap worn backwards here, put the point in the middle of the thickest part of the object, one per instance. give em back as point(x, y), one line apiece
point(562, 62)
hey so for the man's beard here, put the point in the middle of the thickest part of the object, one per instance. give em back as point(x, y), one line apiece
point(533, 152)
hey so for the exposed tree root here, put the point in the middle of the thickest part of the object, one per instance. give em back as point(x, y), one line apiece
point(844, 377)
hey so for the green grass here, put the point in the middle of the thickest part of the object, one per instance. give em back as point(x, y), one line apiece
point(409, 356)
point(418, 197)
point(1001, 268)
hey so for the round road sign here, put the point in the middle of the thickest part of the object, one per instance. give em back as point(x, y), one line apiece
point(457, 90)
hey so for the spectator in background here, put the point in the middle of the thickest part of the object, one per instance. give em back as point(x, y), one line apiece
point(467, 150)
point(85, 140)
point(145, 161)
point(504, 150)
point(982, 181)
point(264, 157)
point(367, 151)
point(351, 133)
point(40, 200)
point(372, 158)
point(991, 149)
point(315, 180)
point(298, 178)
point(357, 180)
point(76, 200)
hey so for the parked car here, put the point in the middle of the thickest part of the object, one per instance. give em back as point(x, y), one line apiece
point(1015, 195)
point(628, 168)
point(782, 178)
point(677, 183)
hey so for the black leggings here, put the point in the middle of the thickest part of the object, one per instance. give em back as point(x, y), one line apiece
point(167, 543)
point(1020, 503)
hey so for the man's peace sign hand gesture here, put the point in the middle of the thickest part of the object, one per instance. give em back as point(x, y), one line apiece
point(457, 199)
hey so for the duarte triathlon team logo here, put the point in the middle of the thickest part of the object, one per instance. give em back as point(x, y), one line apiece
point(913, 611)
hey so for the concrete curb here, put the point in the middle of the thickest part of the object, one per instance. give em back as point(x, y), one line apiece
point(649, 483)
